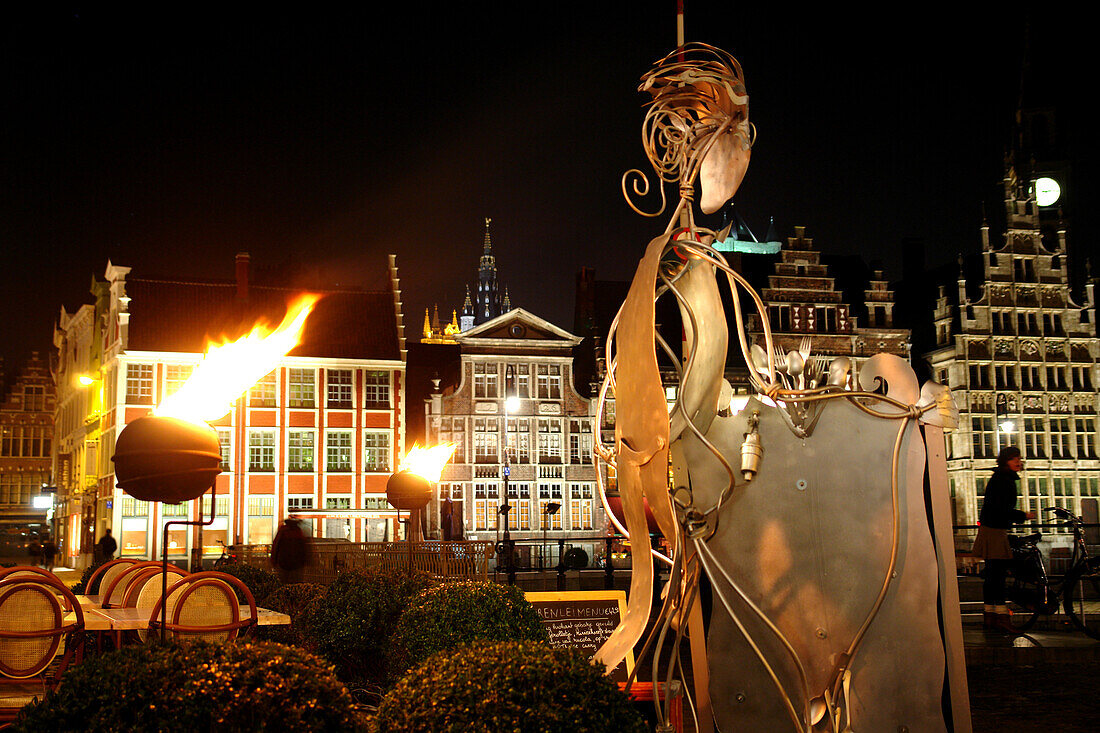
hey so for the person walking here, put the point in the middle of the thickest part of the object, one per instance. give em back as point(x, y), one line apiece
point(290, 551)
point(49, 552)
point(998, 514)
point(106, 546)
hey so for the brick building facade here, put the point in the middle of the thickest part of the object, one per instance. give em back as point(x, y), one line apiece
point(318, 437)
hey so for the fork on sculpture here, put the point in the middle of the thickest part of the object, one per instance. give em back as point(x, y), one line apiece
point(804, 349)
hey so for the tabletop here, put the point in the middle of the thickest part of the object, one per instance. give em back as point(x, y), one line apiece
point(128, 619)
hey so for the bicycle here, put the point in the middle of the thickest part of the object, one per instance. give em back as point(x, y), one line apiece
point(1032, 592)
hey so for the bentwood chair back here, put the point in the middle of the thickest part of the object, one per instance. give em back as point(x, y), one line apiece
point(113, 591)
point(145, 590)
point(34, 629)
point(205, 606)
point(105, 573)
point(26, 570)
point(31, 572)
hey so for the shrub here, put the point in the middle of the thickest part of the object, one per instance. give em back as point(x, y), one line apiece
point(293, 600)
point(453, 614)
point(248, 686)
point(507, 686)
point(352, 623)
point(260, 581)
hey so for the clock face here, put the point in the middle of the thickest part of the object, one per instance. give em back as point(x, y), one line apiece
point(1047, 191)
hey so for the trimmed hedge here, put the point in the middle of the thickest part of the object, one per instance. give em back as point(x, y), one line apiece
point(294, 600)
point(352, 623)
point(454, 614)
point(247, 686)
point(505, 687)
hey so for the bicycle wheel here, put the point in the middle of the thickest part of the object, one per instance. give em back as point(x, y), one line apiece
point(1081, 598)
point(1025, 602)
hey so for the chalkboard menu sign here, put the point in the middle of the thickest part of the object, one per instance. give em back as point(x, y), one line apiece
point(583, 620)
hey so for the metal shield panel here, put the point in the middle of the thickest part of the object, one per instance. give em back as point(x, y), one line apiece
point(809, 541)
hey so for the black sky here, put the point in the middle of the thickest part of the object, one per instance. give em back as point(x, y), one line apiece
point(168, 139)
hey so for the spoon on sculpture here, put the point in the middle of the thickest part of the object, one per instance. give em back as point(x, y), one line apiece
point(795, 366)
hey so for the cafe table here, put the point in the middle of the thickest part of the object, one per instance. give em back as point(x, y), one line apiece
point(133, 619)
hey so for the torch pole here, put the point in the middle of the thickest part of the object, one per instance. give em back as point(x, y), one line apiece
point(164, 554)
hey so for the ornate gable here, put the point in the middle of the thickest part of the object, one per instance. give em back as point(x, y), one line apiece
point(519, 328)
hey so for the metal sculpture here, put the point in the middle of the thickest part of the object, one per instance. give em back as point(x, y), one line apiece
point(806, 509)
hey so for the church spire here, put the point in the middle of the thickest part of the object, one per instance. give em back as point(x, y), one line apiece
point(488, 289)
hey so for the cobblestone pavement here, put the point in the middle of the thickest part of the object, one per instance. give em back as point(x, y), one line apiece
point(1049, 695)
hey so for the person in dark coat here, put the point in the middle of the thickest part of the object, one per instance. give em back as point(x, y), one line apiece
point(49, 552)
point(290, 551)
point(998, 514)
point(106, 546)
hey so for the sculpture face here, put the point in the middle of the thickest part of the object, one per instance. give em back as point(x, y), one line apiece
point(722, 170)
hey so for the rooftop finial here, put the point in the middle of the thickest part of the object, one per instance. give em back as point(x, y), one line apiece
point(488, 242)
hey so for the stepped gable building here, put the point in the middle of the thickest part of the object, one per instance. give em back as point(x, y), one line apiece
point(803, 301)
point(26, 434)
point(1020, 356)
point(546, 441)
point(318, 437)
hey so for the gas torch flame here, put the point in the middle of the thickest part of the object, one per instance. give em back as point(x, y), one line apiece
point(428, 463)
point(230, 368)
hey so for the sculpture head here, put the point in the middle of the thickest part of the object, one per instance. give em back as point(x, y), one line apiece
point(697, 124)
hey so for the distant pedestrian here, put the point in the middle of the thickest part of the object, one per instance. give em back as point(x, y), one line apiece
point(999, 513)
point(290, 551)
point(106, 546)
point(49, 552)
point(35, 550)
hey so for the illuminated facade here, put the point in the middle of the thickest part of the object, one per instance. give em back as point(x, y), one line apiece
point(317, 438)
point(1021, 359)
point(78, 463)
point(547, 436)
point(26, 429)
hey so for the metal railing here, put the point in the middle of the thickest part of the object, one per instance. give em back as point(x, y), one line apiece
point(452, 560)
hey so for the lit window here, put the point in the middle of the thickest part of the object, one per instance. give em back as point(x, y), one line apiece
point(338, 382)
point(376, 390)
point(261, 450)
point(303, 387)
point(175, 375)
point(338, 451)
point(139, 384)
point(376, 452)
point(225, 442)
point(262, 394)
point(549, 381)
point(300, 451)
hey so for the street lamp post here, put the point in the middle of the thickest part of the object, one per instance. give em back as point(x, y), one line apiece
point(511, 403)
point(1004, 423)
point(549, 509)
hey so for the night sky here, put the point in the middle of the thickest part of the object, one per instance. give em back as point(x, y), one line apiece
point(167, 140)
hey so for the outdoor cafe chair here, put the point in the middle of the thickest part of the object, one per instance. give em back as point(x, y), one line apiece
point(26, 570)
point(106, 573)
point(113, 591)
point(205, 606)
point(33, 632)
point(145, 590)
point(30, 572)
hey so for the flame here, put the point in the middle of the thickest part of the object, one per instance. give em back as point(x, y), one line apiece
point(428, 462)
point(230, 368)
